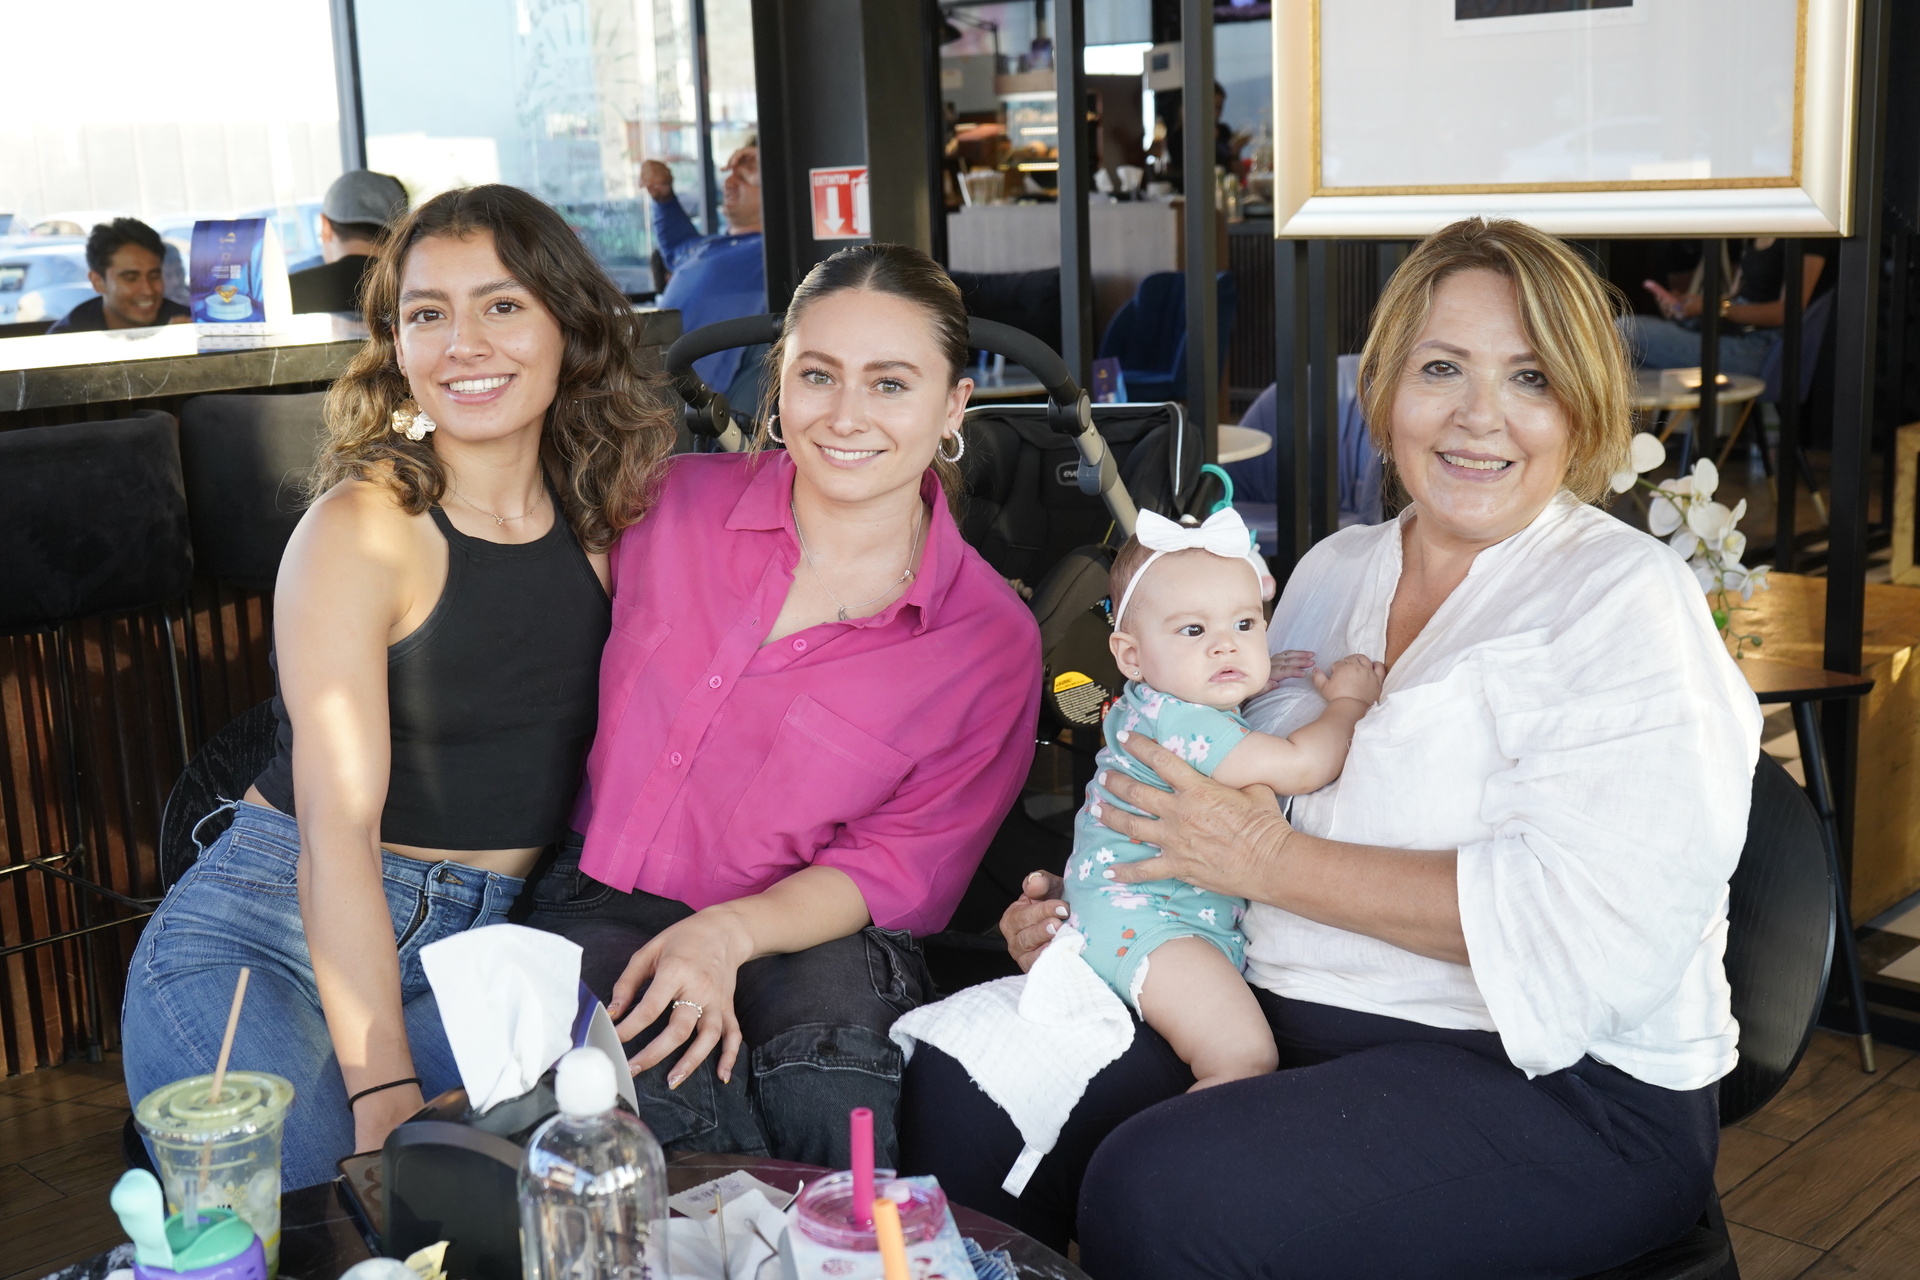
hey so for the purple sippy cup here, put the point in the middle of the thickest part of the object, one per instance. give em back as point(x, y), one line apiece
point(217, 1245)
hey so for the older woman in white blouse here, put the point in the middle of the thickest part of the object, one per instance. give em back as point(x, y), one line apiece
point(1491, 951)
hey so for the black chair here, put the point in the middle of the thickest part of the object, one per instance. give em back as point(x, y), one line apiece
point(222, 770)
point(246, 460)
point(93, 523)
point(1780, 933)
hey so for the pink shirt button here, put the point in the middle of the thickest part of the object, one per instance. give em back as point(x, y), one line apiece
point(713, 683)
point(799, 646)
point(674, 759)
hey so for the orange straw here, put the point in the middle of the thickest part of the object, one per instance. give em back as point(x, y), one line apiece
point(892, 1240)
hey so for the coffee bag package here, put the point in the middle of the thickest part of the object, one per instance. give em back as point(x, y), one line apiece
point(238, 279)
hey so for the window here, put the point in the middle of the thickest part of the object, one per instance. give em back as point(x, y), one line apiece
point(564, 98)
point(137, 127)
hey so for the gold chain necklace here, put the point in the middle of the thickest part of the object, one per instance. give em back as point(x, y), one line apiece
point(497, 519)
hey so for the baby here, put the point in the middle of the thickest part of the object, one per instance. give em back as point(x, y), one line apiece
point(1190, 636)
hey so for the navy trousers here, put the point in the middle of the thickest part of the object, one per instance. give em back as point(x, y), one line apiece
point(1380, 1148)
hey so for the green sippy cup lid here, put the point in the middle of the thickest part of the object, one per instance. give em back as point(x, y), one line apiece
point(220, 1235)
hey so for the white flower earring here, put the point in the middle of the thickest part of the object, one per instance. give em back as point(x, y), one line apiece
point(411, 421)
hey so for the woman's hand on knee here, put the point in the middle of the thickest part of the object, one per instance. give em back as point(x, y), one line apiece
point(688, 972)
point(1030, 923)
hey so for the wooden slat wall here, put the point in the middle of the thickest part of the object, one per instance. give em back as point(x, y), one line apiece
point(129, 754)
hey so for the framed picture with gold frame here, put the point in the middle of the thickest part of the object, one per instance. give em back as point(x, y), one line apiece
point(1583, 117)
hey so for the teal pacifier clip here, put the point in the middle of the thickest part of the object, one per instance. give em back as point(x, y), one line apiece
point(1226, 482)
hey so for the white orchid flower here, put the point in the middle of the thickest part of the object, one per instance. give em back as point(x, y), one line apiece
point(1663, 514)
point(1756, 581)
point(1705, 574)
point(1706, 478)
point(1647, 451)
point(1686, 542)
point(1710, 520)
point(1734, 545)
point(1645, 454)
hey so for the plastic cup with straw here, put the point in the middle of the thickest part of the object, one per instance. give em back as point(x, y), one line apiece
point(216, 1139)
point(191, 1208)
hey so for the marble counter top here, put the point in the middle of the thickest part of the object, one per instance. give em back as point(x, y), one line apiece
point(63, 369)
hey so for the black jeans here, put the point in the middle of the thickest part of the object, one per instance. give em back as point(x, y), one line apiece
point(815, 1024)
point(1380, 1148)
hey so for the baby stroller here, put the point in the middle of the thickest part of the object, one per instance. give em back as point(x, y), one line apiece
point(1052, 490)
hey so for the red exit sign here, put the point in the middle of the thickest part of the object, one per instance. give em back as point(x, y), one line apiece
point(841, 209)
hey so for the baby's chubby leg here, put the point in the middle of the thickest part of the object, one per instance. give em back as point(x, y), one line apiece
point(1196, 999)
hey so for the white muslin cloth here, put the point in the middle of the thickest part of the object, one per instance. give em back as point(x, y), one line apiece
point(1032, 1043)
point(508, 997)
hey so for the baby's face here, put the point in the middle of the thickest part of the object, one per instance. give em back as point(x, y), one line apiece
point(1195, 629)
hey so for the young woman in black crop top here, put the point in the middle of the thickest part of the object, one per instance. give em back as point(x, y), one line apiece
point(439, 618)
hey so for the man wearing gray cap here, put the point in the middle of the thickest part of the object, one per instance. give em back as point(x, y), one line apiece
point(358, 208)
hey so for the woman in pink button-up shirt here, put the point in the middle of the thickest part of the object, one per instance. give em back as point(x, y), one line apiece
point(816, 706)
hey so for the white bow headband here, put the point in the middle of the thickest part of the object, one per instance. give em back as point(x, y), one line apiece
point(1224, 534)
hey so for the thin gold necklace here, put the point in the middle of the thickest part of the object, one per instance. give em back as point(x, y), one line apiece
point(497, 519)
point(906, 575)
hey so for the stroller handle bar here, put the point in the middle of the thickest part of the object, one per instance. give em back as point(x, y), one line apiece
point(708, 413)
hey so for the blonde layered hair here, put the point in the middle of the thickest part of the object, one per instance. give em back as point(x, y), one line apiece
point(608, 429)
point(1567, 313)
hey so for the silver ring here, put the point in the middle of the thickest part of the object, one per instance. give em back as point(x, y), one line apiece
point(699, 1011)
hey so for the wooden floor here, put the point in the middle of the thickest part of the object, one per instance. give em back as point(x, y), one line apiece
point(1824, 1183)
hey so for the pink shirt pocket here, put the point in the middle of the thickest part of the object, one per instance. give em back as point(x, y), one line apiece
point(820, 773)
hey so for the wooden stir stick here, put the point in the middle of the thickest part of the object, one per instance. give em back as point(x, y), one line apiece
point(226, 1041)
point(220, 1074)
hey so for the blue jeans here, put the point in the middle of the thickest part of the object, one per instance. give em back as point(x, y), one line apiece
point(240, 905)
point(1656, 343)
point(815, 1024)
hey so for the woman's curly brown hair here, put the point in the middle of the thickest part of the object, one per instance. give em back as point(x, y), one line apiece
point(608, 429)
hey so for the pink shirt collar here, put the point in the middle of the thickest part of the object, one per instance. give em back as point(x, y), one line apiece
point(767, 505)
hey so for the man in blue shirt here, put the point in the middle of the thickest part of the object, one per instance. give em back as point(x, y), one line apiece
point(715, 277)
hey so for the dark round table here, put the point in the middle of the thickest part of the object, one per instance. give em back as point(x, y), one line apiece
point(321, 1233)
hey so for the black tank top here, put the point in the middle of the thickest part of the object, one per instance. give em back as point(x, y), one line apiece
point(492, 700)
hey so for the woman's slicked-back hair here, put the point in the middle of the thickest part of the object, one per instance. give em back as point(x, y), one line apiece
point(903, 272)
point(1566, 311)
point(608, 429)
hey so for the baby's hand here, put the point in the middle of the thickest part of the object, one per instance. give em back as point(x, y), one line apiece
point(1354, 676)
point(1288, 664)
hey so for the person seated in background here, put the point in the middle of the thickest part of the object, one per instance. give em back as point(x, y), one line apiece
point(354, 217)
point(1750, 315)
point(715, 278)
point(125, 262)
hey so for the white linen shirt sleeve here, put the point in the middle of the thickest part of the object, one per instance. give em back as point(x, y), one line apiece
point(1632, 737)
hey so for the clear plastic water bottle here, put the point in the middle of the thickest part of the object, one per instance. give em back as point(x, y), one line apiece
point(593, 1187)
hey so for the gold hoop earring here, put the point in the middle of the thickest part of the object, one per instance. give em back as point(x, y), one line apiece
point(773, 430)
point(411, 421)
point(960, 443)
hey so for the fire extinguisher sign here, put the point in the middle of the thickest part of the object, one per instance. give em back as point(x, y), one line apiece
point(841, 209)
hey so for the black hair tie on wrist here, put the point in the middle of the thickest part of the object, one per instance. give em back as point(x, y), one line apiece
point(391, 1084)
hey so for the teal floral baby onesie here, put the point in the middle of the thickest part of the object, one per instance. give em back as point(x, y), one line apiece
point(1123, 923)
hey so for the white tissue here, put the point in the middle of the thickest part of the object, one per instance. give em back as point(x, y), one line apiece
point(1031, 1043)
point(694, 1243)
point(508, 997)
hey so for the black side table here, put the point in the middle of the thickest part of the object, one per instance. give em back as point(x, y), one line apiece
point(1801, 687)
